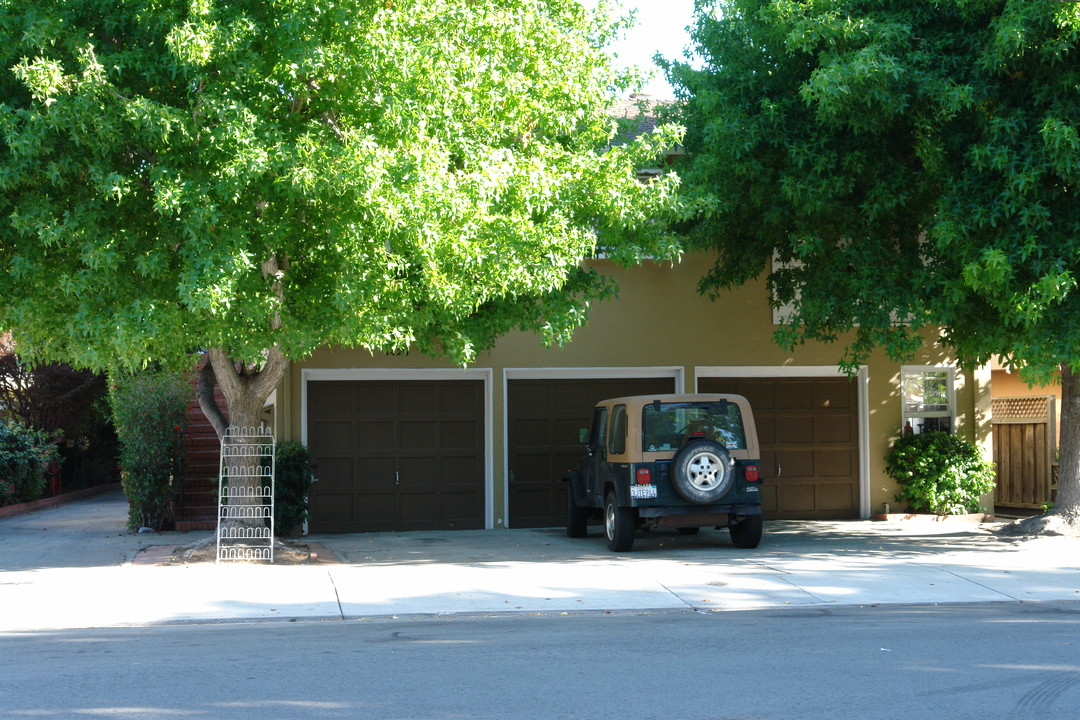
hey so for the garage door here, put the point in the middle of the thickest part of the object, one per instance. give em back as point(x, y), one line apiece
point(808, 428)
point(544, 417)
point(404, 455)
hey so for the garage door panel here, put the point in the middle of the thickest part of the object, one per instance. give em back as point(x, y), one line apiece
point(335, 403)
point(834, 394)
point(534, 396)
point(531, 467)
point(460, 511)
point(460, 400)
point(419, 435)
point(334, 474)
point(417, 400)
point(794, 396)
point(377, 400)
point(461, 434)
point(833, 463)
point(796, 463)
point(834, 429)
point(534, 432)
point(796, 498)
point(331, 505)
point(463, 471)
point(375, 434)
point(402, 449)
point(375, 510)
point(333, 437)
point(793, 430)
point(835, 497)
point(766, 428)
point(544, 419)
point(419, 469)
point(759, 394)
point(808, 427)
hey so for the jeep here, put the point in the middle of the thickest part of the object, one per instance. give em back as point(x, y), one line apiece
point(682, 461)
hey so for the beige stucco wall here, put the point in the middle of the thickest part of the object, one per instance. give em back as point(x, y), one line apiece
point(660, 321)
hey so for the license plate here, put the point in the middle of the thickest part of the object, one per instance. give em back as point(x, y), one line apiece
point(640, 492)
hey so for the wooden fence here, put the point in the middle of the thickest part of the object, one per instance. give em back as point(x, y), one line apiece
point(1024, 438)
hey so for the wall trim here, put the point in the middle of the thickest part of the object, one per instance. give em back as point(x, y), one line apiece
point(598, 373)
point(486, 375)
point(862, 379)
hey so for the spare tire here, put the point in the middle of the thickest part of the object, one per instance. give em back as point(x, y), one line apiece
point(702, 472)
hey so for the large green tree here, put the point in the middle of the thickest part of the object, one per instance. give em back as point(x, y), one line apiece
point(898, 165)
point(258, 178)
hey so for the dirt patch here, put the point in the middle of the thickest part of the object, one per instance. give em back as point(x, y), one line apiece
point(1053, 524)
point(285, 553)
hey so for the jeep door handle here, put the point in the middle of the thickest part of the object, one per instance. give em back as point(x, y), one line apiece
point(779, 470)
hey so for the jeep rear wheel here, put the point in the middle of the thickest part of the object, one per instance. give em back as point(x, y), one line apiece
point(618, 525)
point(702, 472)
point(747, 532)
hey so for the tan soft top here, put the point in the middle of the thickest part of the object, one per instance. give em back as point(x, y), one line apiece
point(634, 404)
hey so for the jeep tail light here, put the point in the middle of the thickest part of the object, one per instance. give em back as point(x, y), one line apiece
point(751, 473)
point(644, 476)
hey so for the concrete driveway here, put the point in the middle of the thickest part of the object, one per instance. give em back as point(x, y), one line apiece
point(74, 566)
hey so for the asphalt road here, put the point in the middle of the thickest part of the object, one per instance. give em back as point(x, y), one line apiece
point(985, 661)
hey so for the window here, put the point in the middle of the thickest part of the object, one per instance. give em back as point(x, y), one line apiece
point(599, 429)
point(667, 425)
point(617, 439)
point(928, 399)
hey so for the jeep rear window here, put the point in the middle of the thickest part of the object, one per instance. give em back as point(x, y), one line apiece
point(666, 426)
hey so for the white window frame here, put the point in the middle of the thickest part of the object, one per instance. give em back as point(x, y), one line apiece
point(916, 417)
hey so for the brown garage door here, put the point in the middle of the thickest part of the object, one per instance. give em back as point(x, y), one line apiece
point(544, 419)
point(809, 443)
point(398, 455)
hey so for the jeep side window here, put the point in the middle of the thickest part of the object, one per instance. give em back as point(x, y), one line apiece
point(617, 441)
point(599, 430)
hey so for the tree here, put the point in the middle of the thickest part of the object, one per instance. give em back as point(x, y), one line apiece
point(259, 179)
point(905, 165)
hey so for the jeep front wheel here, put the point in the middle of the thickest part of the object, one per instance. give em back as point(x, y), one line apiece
point(702, 472)
point(577, 517)
point(618, 525)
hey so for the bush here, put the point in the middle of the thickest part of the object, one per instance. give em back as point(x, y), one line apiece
point(149, 410)
point(25, 455)
point(293, 473)
point(939, 472)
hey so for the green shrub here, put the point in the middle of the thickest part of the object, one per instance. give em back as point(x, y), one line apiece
point(939, 472)
point(293, 473)
point(149, 410)
point(24, 456)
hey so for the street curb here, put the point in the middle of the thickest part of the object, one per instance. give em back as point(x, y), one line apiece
point(50, 502)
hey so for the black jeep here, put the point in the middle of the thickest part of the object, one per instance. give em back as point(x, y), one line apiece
point(682, 461)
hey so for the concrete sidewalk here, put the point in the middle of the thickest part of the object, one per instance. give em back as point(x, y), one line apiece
point(71, 567)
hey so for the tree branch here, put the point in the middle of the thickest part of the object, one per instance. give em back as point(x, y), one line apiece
point(207, 402)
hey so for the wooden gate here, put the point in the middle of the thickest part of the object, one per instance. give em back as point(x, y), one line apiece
point(1024, 438)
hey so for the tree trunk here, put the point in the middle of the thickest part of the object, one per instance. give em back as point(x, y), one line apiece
point(246, 388)
point(1067, 503)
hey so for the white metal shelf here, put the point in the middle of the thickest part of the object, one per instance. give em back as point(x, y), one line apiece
point(245, 528)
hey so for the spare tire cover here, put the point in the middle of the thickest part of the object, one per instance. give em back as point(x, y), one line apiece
point(702, 471)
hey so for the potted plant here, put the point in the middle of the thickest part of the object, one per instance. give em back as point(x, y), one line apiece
point(294, 473)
